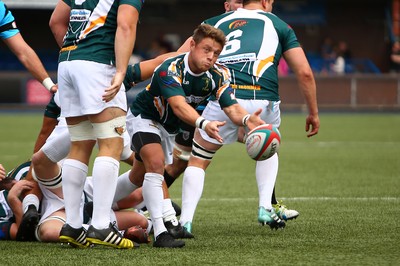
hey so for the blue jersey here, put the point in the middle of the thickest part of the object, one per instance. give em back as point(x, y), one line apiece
point(8, 28)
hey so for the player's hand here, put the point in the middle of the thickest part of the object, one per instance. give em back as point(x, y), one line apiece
point(212, 130)
point(113, 90)
point(2, 172)
point(19, 187)
point(312, 125)
point(255, 120)
point(54, 89)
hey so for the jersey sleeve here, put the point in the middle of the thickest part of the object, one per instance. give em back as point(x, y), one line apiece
point(8, 27)
point(169, 80)
point(133, 75)
point(135, 3)
point(223, 93)
point(68, 2)
point(287, 36)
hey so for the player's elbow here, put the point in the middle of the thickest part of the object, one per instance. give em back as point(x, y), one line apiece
point(305, 74)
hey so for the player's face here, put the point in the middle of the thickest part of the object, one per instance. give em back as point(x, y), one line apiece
point(233, 5)
point(203, 55)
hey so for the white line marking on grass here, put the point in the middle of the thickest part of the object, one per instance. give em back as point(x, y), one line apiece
point(312, 199)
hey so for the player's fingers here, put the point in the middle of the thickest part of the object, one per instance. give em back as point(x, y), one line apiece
point(109, 94)
point(313, 132)
point(258, 112)
point(307, 127)
point(218, 137)
point(220, 124)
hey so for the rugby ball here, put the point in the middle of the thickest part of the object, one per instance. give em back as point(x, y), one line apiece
point(262, 142)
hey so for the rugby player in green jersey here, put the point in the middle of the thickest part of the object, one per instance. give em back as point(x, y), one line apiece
point(256, 40)
point(183, 140)
point(96, 40)
point(177, 87)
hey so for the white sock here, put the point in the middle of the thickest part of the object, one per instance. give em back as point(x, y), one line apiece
point(74, 174)
point(105, 174)
point(192, 188)
point(169, 213)
point(124, 186)
point(30, 199)
point(266, 173)
point(153, 197)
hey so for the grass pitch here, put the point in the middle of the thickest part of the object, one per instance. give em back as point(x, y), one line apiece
point(345, 182)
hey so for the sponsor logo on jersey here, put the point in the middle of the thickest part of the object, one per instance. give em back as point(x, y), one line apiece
point(173, 74)
point(246, 87)
point(79, 15)
point(206, 86)
point(194, 99)
point(185, 82)
point(237, 24)
point(239, 58)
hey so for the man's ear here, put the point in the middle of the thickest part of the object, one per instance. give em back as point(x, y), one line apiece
point(192, 43)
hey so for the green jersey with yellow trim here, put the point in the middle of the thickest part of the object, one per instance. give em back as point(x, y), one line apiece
point(91, 30)
point(256, 41)
point(173, 77)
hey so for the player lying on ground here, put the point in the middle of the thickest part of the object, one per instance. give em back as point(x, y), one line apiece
point(53, 213)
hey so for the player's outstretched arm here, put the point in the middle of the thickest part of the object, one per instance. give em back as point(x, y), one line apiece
point(241, 117)
point(190, 116)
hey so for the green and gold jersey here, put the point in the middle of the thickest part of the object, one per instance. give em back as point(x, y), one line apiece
point(255, 43)
point(173, 77)
point(91, 30)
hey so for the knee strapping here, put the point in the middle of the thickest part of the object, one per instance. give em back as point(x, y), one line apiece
point(52, 183)
point(110, 129)
point(81, 131)
point(201, 152)
point(50, 218)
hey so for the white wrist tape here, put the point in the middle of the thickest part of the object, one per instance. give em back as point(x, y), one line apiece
point(201, 123)
point(244, 119)
point(48, 83)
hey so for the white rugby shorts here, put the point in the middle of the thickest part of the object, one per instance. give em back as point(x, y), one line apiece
point(136, 124)
point(82, 84)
